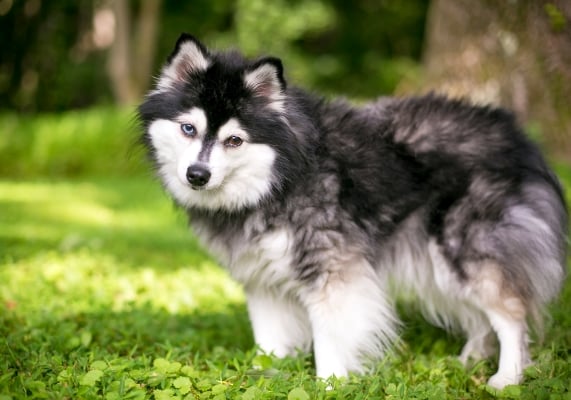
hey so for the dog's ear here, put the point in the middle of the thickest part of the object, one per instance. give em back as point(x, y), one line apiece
point(265, 79)
point(189, 56)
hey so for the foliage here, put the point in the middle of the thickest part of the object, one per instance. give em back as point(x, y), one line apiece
point(360, 48)
point(556, 17)
point(46, 60)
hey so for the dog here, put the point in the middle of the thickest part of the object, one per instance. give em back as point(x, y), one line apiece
point(325, 211)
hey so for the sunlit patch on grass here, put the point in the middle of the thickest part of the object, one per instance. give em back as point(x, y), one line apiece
point(84, 203)
point(93, 228)
point(82, 281)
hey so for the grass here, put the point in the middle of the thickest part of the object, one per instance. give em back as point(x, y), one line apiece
point(104, 294)
point(71, 144)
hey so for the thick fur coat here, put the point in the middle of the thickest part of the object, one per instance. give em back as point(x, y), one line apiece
point(323, 210)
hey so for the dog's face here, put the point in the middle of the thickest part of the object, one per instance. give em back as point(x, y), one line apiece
point(213, 123)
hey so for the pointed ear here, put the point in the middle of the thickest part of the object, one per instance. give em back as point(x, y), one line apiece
point(189, 56)
point(265, 79)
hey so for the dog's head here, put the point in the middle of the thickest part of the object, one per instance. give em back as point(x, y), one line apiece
point(216, 127)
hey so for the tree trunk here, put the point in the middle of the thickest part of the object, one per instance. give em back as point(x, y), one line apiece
point(145, 43)
point(119, 63)
point(516, 54)
point(131, 55)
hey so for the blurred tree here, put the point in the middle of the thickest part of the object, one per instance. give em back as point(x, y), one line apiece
point(360, 49)
point(69, 53)
point(373, 45)
point(277, 27)
point(131, 56)
point(513, 53)
point(47, 58)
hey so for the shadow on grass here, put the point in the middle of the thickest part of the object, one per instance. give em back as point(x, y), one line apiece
point(141, 333)
point(421, 337)
point(137, 337)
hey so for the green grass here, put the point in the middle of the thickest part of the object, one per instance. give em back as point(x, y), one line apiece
point(76, 143)
point(105, 294)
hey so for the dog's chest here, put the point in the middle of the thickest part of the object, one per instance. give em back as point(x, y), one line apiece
point(257, 258)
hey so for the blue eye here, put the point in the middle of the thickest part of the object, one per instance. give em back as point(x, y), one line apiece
point(188, 130)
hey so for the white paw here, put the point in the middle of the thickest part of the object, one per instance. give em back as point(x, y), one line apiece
point(498, 381)
point(327, 371)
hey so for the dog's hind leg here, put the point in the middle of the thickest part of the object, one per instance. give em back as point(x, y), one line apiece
point(514, 353)
point(454, 308)
point(351, 319)
point(507, 314)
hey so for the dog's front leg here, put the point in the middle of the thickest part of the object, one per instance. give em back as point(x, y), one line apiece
point(280, 324)
point(352, 321)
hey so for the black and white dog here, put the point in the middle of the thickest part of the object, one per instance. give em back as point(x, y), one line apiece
point(321, 209)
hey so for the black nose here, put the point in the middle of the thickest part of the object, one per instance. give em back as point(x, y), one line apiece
point(197, 175)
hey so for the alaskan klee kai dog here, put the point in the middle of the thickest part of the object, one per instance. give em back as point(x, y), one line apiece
point(323, 210)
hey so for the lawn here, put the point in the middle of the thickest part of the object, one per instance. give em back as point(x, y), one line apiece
point(104, 293)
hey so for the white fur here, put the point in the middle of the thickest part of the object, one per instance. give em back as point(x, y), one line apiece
point(280, 323)
point(352, 321)
point(514, 355)
point(232, 128)
point(240, 176)
point(196, 117)
point(263, 265)
point(346, 314)
point(416, 265)
point(264, 262)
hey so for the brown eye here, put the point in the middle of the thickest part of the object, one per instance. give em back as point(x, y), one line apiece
point(233, 141)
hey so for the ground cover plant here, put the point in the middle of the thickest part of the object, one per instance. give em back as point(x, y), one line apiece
point(105, 294)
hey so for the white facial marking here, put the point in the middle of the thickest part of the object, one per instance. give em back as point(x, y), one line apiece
point(174, 151)
point(240, 176)
point(230, 128)
point(190, 147)
point(196, 117)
